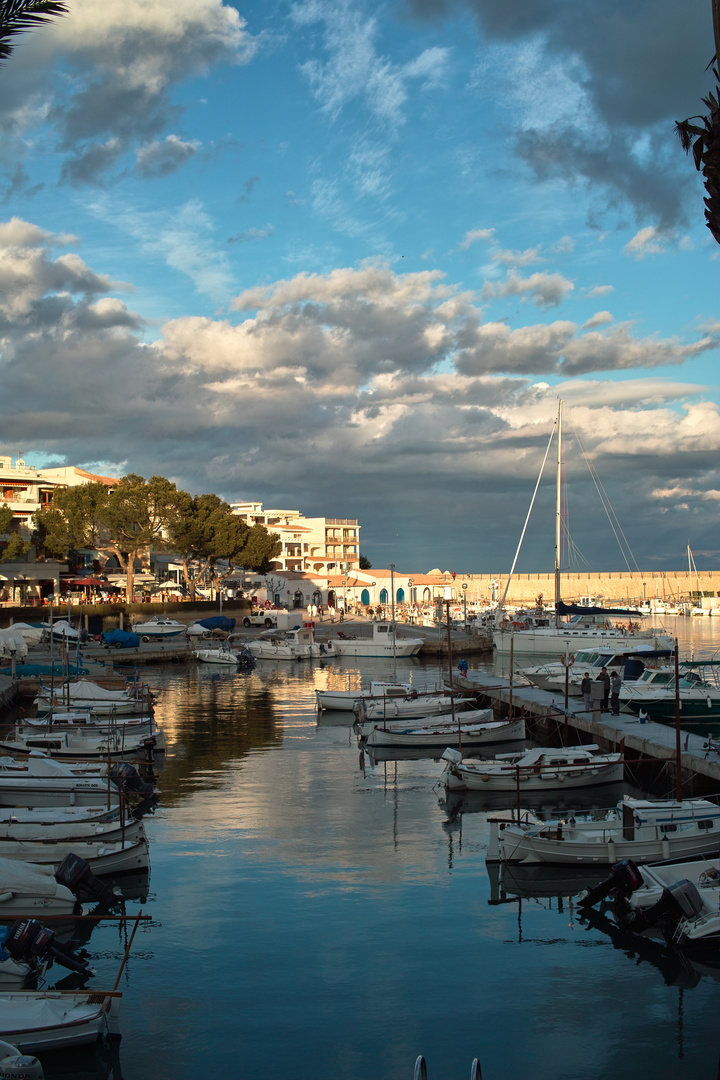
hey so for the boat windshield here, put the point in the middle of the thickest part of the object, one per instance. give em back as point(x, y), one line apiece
point(657, 678)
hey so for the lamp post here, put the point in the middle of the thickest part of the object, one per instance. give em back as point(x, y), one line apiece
point(372, 586)
point(464, 589)
point(412, 601)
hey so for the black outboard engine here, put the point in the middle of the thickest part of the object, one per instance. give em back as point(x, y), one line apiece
point(623, 880)
point(127, 777)
point(681, 900)
point(75, 874)
point(29, 942)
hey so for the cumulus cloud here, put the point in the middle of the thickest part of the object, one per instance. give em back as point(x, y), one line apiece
point(600, 318)
point(647, 241)
point(119, 64)
point(336, 383)
point(546, 290)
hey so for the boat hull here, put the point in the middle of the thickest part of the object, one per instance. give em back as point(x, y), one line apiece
point(547, 641)
point(35, 1022)
point(460, 778)
point(447, 735)
point(519, 848)
point(365, 647)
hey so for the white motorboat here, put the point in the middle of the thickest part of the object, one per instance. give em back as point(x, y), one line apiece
point(681, 898)
point(436, 735)
point(39, 1020)
point(220, 655)
point(630, 663)
point(271, 648)
point(639, 829)
point(118, 857)
point(540, 769)
point(346, 700)
point(62, 630)
point(383, 642)
point(30, 890)
point(471, 716)
point(302, 642)
point(698, 691)
point(159, 626)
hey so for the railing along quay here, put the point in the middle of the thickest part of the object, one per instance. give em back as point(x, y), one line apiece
point(626, 732)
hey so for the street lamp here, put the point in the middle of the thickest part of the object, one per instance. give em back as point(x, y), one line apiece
point(464, 589)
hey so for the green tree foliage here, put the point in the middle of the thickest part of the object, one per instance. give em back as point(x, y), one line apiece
point(207, 530)
point(15, 549)
point(74, 521)
point(365, 563)
point(17, 16)
point(139, 514)
point(6, 518)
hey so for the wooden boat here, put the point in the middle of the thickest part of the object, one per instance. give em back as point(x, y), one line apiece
point(346, 700)
point(69, 829)
point(81, 744)
point(41, 781)
point(102, 857)
point(30, 890)
point(471, 716)
point(84, 693)
point(639, 829)
point(406, 708)
point(303, 644)
point(35, 1021)
point(482, 734)
point(383, 642)
point(540, 769)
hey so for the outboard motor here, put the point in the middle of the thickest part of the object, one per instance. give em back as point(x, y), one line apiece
point(17, 1066)
point(680, 900)
point(75, 874)
point(29, 942)
point(623, 880)
point(128, 778)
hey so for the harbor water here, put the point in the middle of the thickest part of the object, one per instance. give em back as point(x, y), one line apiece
point(318, 916)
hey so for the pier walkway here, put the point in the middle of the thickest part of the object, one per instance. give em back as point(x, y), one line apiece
point(648, 740)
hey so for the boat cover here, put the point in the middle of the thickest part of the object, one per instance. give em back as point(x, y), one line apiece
point(217, 622)
point(578, 609)
point(122, 639)
point(12, 641)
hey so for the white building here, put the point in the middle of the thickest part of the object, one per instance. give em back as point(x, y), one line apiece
point(309, 545)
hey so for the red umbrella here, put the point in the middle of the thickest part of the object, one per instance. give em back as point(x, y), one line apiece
point(96, 582)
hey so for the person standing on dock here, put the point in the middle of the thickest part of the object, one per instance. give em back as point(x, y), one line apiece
point(586, 691)
point(605, 679)
point(615, 687)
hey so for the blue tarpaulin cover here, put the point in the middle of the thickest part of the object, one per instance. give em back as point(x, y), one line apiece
point(217, 622)
point(122, 639)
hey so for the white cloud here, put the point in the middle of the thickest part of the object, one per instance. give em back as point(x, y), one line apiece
point(647, 241)
point(600, 318)
point(546, 290)
point(473, 235)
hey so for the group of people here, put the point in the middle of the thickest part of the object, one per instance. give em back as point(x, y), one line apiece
point(611, 686)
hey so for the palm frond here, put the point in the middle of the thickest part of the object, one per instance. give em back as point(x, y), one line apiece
point(17, 16)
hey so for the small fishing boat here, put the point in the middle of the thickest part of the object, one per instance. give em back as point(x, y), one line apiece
point(28, 889)
point(383, 642)
point(346, 700)
point(81, 744)
point(42, 781)
point(540, 769)
point(103, 858)
point(408, 708)
point(482, 734)
point(643, 830)
point(472, 716)
point(68, 829)
point(86, 694)
point(35, 1021)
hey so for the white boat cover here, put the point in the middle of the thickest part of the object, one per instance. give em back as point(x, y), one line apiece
point(85, 690)
point(25, 1012)
point(32, 635)
point(13, 641)
point(26, 879)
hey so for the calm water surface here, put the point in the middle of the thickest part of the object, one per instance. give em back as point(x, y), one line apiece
point(319, 917)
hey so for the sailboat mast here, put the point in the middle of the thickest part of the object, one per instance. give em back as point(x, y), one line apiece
point(558, 511)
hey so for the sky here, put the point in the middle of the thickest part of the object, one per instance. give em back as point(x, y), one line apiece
point(346, 258)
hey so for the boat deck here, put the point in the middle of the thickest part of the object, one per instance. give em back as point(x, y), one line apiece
point(647, 740)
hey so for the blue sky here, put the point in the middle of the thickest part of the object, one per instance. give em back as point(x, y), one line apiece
point(345, 257)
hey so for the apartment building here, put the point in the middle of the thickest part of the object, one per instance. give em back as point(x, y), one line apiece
point(309, 545)
point(26, 489)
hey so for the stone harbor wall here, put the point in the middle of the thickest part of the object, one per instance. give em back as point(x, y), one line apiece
point(617, 587)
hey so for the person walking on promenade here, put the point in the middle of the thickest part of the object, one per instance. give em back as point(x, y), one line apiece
point(606, 692)
point(586, 690)
point(615, 687)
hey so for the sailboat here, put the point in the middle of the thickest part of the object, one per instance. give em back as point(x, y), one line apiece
point(586, 627)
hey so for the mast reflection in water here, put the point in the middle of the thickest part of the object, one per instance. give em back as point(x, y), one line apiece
point(326, 918)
